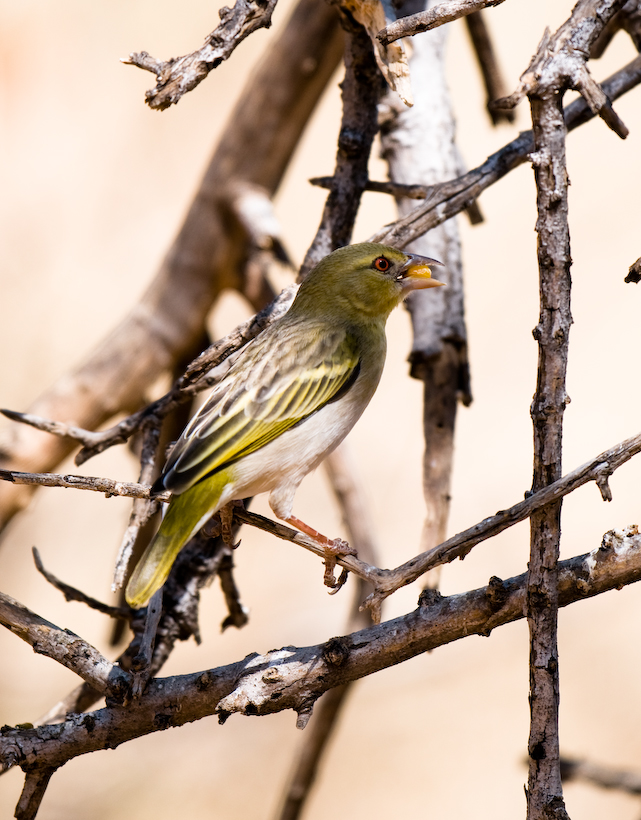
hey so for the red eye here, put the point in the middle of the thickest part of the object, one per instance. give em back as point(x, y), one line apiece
point(381, 264)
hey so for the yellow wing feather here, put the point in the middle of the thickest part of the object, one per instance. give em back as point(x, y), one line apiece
point(260, 399)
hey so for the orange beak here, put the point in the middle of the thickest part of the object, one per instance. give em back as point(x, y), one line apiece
point(416, 274)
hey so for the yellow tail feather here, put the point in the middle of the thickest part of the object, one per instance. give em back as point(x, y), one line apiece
point(186, 514)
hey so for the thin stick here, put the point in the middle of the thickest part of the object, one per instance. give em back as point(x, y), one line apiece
point(180, 75)
point(432, 18)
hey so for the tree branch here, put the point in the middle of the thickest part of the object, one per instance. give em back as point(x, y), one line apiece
point(561, 59)
point(179, 75)
point(488, 65)
point(432, 18)
point(387, 581)
point(449, 198)
point(65, 647)
point(360, 92)
point(294, 678)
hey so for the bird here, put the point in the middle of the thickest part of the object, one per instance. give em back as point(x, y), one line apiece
point(291, 396)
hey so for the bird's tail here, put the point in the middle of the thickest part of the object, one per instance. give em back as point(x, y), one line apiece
point(186, 514)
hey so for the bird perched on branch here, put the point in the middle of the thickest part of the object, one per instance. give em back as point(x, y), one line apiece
point(292, 395)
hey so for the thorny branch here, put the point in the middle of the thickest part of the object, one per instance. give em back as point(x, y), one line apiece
point(293, 678)
point(180, 75)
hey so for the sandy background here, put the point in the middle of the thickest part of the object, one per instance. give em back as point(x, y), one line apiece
point(94, 185)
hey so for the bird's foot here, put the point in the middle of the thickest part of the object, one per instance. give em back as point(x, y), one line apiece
point(226, 514)
point(334, 550)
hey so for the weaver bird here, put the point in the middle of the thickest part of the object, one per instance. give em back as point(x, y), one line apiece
point(291, 396)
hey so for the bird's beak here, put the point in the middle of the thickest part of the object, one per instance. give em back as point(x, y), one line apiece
point(416, 274)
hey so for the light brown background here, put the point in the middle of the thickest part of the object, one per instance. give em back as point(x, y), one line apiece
point(94, 185)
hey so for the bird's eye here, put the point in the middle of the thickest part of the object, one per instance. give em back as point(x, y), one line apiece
point(381, 263)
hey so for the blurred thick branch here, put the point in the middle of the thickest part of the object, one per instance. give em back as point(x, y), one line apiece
point(207, 255)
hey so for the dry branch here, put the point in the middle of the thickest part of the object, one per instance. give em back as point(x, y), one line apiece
point(65, 647)
point(294, 678)
point(607, 777)
point(180, 75)
point(560, 61)
point(432, 18)
point(387, 581)
point(450, 198)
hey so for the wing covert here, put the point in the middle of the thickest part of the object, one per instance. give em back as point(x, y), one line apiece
point(262, 396)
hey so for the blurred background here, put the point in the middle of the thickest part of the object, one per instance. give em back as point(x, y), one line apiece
point(94, 185)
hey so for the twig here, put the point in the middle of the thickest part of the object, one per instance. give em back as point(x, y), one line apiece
point(238, 614)
point(634, 272)
point(179, 75)
point(562, 59)
point(432, 18)
point(460, 545)
point(488, 65)
point(387, 581)
point(605, 776)
point(396, 189)
point(35, 786)
point(294, 678)
point(108, 486)
point(141, 662)
point(73, 594)
point(65, 647)
point(450, 198)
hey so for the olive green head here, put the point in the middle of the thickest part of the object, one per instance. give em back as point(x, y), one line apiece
point(365, 280)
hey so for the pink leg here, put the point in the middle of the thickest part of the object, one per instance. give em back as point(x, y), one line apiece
point(333, 549)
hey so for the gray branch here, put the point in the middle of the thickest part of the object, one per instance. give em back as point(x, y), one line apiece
point(179, 75)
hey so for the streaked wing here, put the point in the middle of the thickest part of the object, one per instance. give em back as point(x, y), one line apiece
point(262, 396)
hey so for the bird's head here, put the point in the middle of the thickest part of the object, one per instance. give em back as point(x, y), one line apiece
point(367, 279)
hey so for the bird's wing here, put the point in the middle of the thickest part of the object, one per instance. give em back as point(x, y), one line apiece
point(262, 396)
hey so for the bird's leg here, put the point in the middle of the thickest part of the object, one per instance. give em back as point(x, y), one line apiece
point(333, 550)
point(226, 514)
